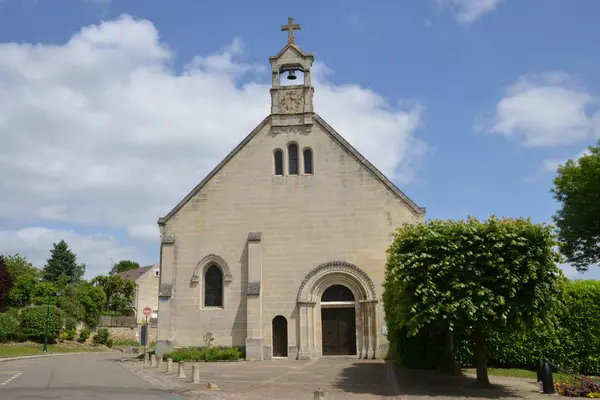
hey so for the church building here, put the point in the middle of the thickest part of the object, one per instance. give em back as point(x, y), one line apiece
point(281, 249)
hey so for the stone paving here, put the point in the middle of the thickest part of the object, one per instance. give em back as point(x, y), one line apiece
point(338, 378)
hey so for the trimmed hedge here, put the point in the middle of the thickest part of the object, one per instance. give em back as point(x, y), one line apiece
point(9, 327)
point(205, 354)
point(33, 322)
point(575, 344)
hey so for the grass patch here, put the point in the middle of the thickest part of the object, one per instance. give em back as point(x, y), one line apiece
point(32, 349)
point(126, 342)
point(205, 354)
point(519, 373)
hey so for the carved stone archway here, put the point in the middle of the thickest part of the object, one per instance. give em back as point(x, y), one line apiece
point(309, 307)
point(211, 259)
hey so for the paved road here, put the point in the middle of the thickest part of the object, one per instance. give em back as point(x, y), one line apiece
point(89, 376)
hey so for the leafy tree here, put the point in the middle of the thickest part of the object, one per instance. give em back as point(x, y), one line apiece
point(93, 300)
point(6, 283)
point(577, 188)
point(119, 291)
point(63, 262)
point(18, 266)
point(33, 322)
point(471, 275)
point(69, 303)
point(44, 293)
point(20, 294)
point(124, 265)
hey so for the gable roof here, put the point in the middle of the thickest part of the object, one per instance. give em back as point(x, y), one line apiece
point(135, 274)
point(336, 136)
point(295, 47)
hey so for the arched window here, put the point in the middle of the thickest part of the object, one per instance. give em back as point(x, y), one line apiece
point(308, 161)
point(337, 293)
point(213, 287)
point(293, 158)
point(278, 159)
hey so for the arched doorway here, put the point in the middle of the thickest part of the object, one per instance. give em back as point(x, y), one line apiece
point(338, 321)
point(280, 337)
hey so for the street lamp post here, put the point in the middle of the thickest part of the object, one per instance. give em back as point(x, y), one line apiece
point(48, 322)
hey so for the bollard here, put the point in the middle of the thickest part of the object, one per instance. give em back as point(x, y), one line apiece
point(539, 370)
point(159, 362)
point(169, 365)
point(547, 380)
point(181, 369)
point(195, 374)
point(146, 358)
point(153, 360)
point(319, 394)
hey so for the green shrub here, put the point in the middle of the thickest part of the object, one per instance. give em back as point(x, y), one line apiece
point(205, 354)
point(126, 342)
point(101, 336)
point(9, 327)
point(33, 322)
point(70, 329)
point(573, 344)
point(109, 342)
point(84, 334)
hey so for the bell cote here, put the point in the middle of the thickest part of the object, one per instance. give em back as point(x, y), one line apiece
point(291, 90)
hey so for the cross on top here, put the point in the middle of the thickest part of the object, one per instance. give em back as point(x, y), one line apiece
point(291, 27)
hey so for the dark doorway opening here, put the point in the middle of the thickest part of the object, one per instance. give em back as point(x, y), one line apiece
point(339, 331)
point(280, 337)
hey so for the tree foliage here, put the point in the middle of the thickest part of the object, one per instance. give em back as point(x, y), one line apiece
point(119, 291)
point(124, 265)
point(63, 262)
point(92, 299)
point(20, 294)
point(18, 266)
point(33, 322)
point(577, 189)
point(6, 284)
point(444, 276)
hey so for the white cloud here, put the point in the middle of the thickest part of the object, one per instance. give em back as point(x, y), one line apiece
point(468, 11)
point(104, 131)
point(553, 164)
point(95, 250)
point(548, 109)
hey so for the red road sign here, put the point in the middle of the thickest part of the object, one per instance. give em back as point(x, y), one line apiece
point(147, 311)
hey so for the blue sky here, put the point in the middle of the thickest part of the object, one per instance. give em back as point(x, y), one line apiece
point(480, 98)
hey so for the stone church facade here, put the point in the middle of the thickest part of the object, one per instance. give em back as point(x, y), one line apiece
point(281, 249)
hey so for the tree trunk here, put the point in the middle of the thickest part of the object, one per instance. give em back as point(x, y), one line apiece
point(480, 357)
point(448, 363)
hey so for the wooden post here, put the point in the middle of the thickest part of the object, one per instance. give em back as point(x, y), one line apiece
point(181, 369)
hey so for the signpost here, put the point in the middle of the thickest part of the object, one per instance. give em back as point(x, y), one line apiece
point(147, 312)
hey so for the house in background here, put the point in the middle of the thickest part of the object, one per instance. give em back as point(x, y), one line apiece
point(146, 292)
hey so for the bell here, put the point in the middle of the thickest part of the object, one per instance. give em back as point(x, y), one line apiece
point(291, 75)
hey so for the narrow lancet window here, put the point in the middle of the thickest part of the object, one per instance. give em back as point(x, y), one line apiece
point(278, 158)
point(293, 158)
point(308, 161)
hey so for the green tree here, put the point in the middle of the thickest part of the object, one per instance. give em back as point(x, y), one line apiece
point(68, 301)
point(577, 189)
point(470, 275)
point(63, 262)
point(124, 265)
point(44, 293)
point(119, 291)
point(18, 266)
point(20, 294)
point(6, 284)
point(92, 299)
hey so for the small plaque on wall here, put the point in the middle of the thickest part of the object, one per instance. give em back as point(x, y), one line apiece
point(254, 288)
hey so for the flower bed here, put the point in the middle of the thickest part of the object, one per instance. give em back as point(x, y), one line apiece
point(584, 388)
point(205, 354)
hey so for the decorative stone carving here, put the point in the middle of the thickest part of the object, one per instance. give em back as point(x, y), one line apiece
point(165, 290)
point(291, 129)
point(253, 288)
point(212, 259)
point(168, 239)
point(291, 101)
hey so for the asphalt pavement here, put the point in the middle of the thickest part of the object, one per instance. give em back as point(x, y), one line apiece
point(82, 376)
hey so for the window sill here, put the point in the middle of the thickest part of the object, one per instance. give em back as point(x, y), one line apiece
point(212, 308)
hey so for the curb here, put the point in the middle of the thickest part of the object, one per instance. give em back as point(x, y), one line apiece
point(7, 359)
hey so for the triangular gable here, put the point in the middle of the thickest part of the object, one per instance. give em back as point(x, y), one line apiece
point(362, 160)
point(293, 47)
point(336, 136)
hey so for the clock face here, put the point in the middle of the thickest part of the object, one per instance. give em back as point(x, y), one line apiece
point(291, 101)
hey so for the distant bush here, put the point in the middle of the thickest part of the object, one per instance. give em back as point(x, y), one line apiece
point(70, 328)
point(109, 342)
point(126, 342)
point(205, 354)
point(84, 334)
point(9, 327)
point(101, 336)
point(33, 322)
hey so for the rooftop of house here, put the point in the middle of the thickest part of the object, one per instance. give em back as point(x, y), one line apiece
point(135, 274)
